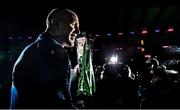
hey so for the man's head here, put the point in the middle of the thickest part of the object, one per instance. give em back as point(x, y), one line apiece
point(64, 26)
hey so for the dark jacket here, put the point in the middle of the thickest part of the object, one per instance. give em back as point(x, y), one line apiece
point(41, 75)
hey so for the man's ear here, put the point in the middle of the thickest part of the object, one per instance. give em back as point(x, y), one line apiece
point(56, 24)
point(52, 21)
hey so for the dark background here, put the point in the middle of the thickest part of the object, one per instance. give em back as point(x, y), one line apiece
point(22, 21)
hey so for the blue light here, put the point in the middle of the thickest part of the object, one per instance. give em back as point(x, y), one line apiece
point(13, 96)
point(132, 32)
point(157, 30)
point(109, 34)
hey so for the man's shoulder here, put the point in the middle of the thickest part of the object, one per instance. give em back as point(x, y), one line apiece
point(31, 46)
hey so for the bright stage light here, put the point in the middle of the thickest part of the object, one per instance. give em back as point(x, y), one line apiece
point(157, 30)
point(170, 29)
point(120, 33)
point(114, 59)
point(132, 33)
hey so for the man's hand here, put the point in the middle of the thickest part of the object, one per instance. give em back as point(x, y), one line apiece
point(74, 107)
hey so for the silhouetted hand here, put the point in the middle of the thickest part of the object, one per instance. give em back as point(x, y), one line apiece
point(80, 104)
point(74, 107)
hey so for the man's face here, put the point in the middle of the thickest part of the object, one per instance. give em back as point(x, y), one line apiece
point(74, 31)
point(69, 31)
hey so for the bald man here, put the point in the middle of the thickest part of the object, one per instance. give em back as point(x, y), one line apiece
point(41, 74)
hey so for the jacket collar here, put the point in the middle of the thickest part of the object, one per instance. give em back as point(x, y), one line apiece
point(46, 35)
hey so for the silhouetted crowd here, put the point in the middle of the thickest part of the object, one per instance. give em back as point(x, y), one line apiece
point(127, 86)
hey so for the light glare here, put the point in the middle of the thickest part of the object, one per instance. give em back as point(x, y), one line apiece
point(114, 59)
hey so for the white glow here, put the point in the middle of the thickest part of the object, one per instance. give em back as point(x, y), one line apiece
point(114, 59)
point(171, 72)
